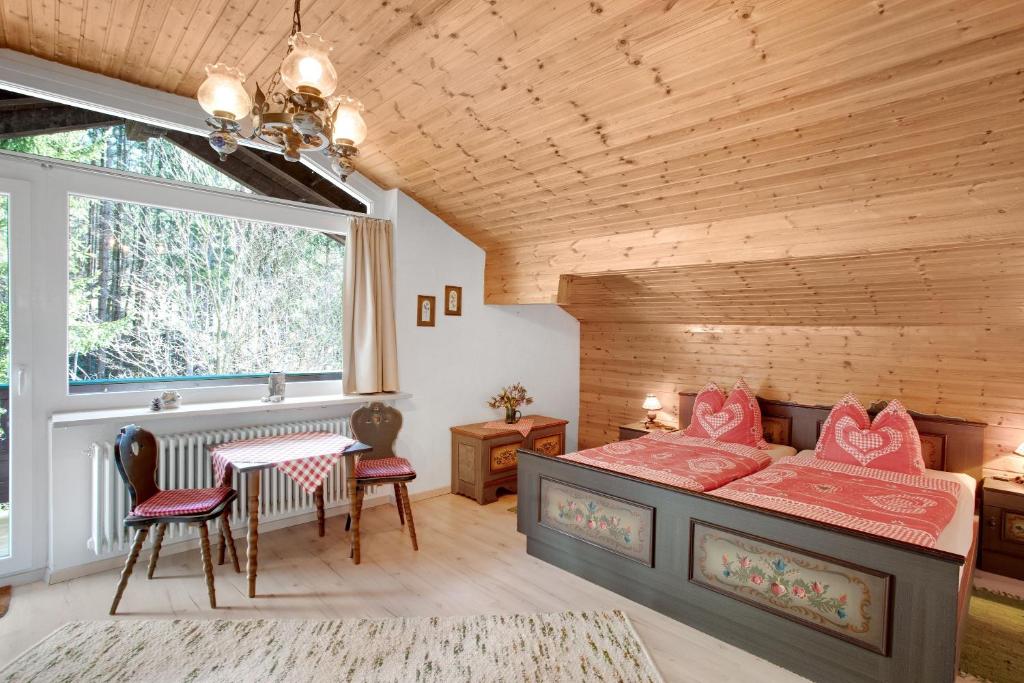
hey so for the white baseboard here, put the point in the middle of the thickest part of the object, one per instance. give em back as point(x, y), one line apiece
point(109, 563)
point(20, 578)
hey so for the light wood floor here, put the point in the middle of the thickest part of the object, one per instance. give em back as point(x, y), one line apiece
point(471, 561)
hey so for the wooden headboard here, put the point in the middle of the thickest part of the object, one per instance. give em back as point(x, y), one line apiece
point(949, 444)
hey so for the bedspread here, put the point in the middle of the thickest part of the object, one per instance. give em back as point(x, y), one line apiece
point(681, 461)
point(904, 507)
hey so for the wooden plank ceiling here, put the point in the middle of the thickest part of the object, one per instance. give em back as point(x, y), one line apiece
point(585, 135)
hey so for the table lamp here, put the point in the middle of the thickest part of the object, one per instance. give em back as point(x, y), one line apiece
point(652, 405)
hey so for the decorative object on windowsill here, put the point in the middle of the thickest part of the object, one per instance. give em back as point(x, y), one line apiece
point(652, 405)
point(452, 300)
point(170, 400)
point(156, 405)
point(275, 387)
point(298, 112)
point(425, 306)
point(510, 398)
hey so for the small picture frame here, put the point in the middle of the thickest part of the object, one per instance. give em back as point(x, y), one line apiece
point(425, 309)
point(452, 300)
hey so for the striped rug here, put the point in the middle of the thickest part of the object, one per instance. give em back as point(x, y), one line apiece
point(566, 646)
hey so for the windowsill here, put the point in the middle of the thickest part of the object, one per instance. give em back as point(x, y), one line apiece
point(87, 417)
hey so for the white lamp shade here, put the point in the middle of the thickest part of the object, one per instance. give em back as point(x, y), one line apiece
point(651, 402)
point(308, 67)
point(349, 126)
point(223, 93)
point(1020, 449)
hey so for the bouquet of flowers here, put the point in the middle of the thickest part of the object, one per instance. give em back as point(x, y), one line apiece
point(510, 398)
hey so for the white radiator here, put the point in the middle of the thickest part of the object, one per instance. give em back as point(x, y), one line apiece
point(185, 464)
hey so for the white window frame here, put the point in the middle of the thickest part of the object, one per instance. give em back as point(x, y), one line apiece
point(52, 182)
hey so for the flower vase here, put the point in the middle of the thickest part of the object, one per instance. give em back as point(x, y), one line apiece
point(512, 415)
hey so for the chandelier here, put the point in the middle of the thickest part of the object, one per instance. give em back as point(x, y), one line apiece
point(299, 111)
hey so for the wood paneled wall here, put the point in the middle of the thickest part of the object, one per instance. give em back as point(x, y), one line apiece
point(958, 371)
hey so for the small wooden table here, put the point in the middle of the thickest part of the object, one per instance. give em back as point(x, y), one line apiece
point(635, 430)
point(252, 473)
point(484, 460)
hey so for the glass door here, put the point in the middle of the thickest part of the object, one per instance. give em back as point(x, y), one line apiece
point(16, 515)
point(5, 373)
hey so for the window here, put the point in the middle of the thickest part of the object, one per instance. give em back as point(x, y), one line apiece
point(112, 147)
point(161, 294)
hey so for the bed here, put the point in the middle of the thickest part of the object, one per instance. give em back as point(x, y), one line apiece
point(826, 601)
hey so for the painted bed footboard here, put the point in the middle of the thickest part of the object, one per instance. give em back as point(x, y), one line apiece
point(827, 604)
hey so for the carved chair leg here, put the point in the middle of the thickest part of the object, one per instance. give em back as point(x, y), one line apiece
point(222, 545)
point(356, 513)
point(140, 538)
point(318, 497)
point(155, 554)
point(204, 549)
point(399, 504)
point(408, 516)
point(225, 531)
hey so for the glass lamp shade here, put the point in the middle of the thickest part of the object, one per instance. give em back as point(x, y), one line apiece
point(223, 93)
point(651, 403)
point(307, 67)
point(349, 127)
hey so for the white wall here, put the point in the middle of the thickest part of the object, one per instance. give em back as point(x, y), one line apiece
point(452, 369)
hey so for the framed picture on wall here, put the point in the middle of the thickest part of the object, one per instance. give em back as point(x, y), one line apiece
point(452, 300)
point(425, 306)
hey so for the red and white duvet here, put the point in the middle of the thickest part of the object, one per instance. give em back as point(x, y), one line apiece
point(904, 507)
point(685, 462)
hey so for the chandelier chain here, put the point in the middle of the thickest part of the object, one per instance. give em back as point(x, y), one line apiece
point(296, 19)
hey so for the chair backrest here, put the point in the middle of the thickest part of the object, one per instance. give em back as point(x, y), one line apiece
point(135, 452)
point(377, 425)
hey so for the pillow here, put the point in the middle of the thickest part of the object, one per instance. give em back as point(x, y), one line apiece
point(890, 442)
point(736, 419)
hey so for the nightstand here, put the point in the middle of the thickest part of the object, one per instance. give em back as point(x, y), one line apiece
point(1002, 527)
point(635, 430)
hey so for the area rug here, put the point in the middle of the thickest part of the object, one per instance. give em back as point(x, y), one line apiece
point(566, 646)
point(991, 648)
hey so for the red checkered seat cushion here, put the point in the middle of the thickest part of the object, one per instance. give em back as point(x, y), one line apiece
point(384, 468)
point(182, 502)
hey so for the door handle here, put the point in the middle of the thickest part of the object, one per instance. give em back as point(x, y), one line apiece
point(19, 380)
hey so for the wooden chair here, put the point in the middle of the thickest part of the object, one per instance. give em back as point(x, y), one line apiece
point(377, 425)
point(136, 455)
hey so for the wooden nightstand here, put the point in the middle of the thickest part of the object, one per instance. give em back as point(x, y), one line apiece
point(1002, 527)
point(484, 460)
point(635, 430)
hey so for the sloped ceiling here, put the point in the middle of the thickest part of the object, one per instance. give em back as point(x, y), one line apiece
point(573, 136)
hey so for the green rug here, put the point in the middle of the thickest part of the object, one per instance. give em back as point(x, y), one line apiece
point(993, 639)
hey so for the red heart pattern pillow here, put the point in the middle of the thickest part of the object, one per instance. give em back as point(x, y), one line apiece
point(736, 419)
point(890, 442)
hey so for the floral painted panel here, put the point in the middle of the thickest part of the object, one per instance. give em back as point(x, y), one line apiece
point(504, 457)
point(620, 526)
point(1013, 527)
point(834, 597)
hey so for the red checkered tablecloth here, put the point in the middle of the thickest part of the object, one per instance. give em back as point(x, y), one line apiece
point(523, 426)
point(306, 457)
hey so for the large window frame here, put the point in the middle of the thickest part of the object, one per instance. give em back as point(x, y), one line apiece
point(53, 183)
point(160, 382)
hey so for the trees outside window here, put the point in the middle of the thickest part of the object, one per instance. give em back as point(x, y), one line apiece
point(156, 293)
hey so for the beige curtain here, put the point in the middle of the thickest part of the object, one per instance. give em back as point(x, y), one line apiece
point(371, 350)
